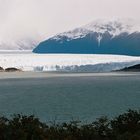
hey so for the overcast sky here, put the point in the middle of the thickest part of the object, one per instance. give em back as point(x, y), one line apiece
point(43, 18)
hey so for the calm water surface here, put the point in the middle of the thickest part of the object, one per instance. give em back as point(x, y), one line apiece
point(65, 96)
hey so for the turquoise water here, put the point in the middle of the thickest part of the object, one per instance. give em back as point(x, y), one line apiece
point(62, 98)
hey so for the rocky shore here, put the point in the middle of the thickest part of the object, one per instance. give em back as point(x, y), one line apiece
point(10, 69)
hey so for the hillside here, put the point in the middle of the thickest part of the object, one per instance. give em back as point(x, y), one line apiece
point(135, 68)
point(99, 37)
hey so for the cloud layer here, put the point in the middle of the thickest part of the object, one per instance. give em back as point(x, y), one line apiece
point(39, 19)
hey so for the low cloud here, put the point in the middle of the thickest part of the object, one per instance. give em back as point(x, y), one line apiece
point(39, 19)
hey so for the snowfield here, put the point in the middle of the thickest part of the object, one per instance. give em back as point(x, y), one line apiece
point(113, 26)
point(66, 62)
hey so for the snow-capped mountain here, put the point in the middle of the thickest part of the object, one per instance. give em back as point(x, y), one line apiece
point(99, 37)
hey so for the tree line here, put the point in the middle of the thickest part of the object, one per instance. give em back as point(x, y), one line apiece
point(21, 127)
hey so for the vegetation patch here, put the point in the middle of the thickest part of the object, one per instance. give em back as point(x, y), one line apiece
point(21, 127)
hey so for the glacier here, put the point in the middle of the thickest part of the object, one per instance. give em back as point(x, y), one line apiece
point(66, 62)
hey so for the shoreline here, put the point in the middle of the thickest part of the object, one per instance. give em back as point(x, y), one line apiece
point(51, 74)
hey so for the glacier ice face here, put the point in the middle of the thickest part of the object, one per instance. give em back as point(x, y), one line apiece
point(66, 62)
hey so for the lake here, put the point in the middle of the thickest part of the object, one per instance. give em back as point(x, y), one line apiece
point(67, 96)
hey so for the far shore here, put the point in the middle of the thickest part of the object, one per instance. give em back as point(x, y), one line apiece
point(49, 74)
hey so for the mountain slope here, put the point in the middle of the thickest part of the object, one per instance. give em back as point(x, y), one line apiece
point(100, 37)
point(134, 68)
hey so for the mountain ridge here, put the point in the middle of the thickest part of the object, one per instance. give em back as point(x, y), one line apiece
point(108, 37)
